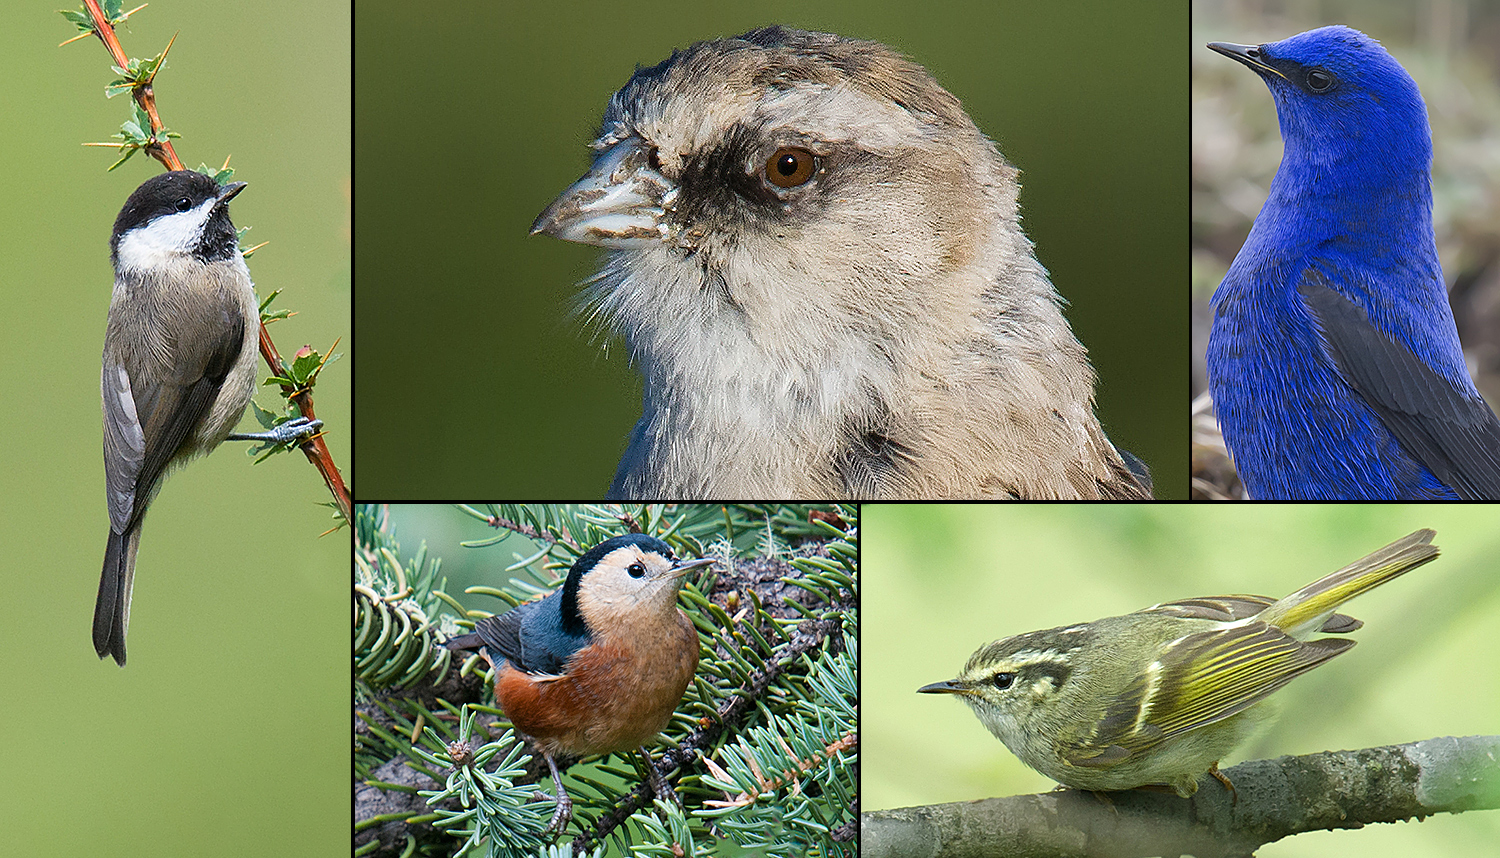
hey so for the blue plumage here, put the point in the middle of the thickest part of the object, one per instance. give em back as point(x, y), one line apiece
point(1334, 362)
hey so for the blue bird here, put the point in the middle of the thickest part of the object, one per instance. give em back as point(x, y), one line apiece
point(1333, 361)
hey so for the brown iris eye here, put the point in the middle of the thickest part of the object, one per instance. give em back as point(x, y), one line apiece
point(789, 167)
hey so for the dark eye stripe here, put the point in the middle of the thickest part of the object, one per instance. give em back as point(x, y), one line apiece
point(1058, 672)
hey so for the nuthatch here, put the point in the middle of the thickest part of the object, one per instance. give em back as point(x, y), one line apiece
point(599, 665)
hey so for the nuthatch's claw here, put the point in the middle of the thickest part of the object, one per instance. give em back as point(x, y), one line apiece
point(564, 811)
point(297, 430)
point(658, 783)
point(561, 816)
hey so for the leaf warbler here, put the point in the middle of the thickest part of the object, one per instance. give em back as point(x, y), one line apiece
point(1159, 696)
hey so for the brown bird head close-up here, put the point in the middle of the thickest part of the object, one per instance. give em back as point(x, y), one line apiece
point(817, 264)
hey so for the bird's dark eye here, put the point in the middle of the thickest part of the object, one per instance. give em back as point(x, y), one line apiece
point(1319, 80)
point(789, 167)
point(1003, 681)
point(636, 570)
point(183, 204)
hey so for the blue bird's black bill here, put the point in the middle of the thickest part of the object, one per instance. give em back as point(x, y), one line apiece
point(1250, 55)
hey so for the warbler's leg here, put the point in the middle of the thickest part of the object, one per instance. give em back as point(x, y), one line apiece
point(1234, 797)
point(658, 783)
point(564, 810)
point(292, 430)
point(1102, 797)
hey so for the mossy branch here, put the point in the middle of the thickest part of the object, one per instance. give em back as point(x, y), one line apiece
point(1276, 798)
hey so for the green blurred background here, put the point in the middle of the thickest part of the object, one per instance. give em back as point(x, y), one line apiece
point(228, 733)
point(470, 119)
point(941, 581)
point(1451, 48)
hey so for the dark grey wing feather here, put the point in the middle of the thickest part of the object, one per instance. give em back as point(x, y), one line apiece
point(501, 635)
point(545, 645)
point(1455, 435)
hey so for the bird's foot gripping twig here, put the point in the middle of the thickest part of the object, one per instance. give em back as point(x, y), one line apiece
point(658, 783)
point(296, 430)
point(1222, 778)
point(564, 811)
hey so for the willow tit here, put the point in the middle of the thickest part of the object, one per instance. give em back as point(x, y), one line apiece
point(818, 264)
point(179, 361)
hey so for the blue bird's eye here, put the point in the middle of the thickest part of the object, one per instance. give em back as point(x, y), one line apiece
point(1320, 80)
point(636, 570)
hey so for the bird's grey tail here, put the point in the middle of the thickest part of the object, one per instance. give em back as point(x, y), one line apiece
point(112, 608)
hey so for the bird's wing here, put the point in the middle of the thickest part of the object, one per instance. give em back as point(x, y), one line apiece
point(156, 392)
point(1239, 607)
point(1197, 680)
point(1220, 608)
point(501, 634)
point(1455, 435)
point(530, 637)
point(545, 645)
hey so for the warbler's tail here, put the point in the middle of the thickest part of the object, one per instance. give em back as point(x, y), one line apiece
point(1304, 611)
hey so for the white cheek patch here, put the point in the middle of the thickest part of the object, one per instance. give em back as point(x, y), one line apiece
point(164, 238)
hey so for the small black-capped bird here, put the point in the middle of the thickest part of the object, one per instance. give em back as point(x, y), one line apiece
point(818, 265)
point(599, 665)
point(179, 361)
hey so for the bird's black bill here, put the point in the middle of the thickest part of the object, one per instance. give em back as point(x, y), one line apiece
point(1250, 55)
point(228, 192)
point(947, 686)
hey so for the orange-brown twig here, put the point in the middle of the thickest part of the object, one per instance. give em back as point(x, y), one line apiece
point(145, 96)
point(314, 448)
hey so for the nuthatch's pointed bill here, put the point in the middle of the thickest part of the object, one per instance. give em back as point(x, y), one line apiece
point(687, 566)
